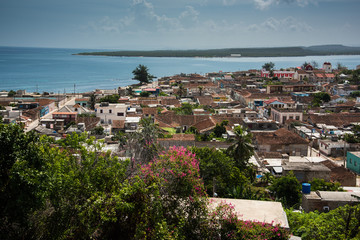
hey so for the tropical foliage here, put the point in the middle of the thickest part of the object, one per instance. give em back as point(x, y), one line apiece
point(287, 189)
point(340, 223)
point(242, 149)
point(70, 189)
point(110, 98)
point(142, 75)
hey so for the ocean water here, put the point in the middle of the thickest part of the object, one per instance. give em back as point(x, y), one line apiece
point(57, 70)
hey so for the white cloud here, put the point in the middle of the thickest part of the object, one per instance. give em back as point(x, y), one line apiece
point(278, 25)
point(264, 4)
point(143, 16)
point(107, 24)
point(190, 13)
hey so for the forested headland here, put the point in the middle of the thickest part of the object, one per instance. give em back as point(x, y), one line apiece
point(320, 50)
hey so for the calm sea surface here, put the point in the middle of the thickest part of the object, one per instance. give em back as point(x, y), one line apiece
point(57, 70)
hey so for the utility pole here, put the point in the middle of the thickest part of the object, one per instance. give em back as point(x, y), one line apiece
point(58, 99)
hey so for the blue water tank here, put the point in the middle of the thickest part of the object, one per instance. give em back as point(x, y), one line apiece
point(306, 188)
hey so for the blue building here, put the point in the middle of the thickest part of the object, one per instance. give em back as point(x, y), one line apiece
point(353, 161)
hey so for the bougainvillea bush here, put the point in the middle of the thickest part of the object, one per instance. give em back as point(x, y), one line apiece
point(178, 197)
point(183, 204)
point(225, 224)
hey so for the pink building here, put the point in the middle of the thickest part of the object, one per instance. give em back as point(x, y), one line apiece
point(279, 74)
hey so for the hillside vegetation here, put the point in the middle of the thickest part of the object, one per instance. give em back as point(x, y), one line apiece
point(245, 52)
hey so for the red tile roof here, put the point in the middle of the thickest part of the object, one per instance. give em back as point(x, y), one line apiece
point(281, 136)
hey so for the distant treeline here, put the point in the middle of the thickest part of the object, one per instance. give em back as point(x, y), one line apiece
point(236, 52)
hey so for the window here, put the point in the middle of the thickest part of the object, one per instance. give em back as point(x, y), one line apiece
point(101, 111)
point(297, 117)
point(109, 121)
point(110, 111)
point(120, 114)
point(355, 163)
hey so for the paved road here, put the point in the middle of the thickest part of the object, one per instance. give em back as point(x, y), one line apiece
point(35, 123)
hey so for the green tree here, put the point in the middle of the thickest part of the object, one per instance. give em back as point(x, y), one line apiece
point(144, 94)
point(355, 136)
point(142, 75)
point(200, 90)
point(71, 189)
point(181, 91)
point(142, 145)
point(11, 93)
point(287, 189)
point(314, 64)
point(110, 98)
point(220, 129)
point(305, 64)
point(340, 223)
point(321, 185)
point(355, 94)
point(92, 101)
point(242, 149)
point(268, 66)
point(20, 159)
point(98, 130)
point(185, 109)
point(215, 169)
point(355, 79)
point(320, 97)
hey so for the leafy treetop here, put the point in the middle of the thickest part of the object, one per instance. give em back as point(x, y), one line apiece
point(142, 75)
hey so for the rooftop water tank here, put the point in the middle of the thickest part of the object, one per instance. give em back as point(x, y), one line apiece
point(306, 188)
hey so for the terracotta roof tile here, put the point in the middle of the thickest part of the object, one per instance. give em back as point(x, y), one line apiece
point(118, 124)
point(281, 136)
point(336, 119)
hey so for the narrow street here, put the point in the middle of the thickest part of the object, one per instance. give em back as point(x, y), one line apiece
point(35, 123)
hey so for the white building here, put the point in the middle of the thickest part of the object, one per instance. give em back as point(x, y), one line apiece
point(327, 67)
point(108, 112)
point(132, 124)
point(333, 148)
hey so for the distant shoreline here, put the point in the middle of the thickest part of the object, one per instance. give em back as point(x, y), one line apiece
point(322, 50)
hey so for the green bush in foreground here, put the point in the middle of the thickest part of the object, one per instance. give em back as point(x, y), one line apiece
point(72, 190)
point(340, 223)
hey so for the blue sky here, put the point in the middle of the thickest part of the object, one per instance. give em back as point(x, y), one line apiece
point(178, 24)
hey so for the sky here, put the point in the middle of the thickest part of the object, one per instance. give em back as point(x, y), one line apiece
point(178, 24)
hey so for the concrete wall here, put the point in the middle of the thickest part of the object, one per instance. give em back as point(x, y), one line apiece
point(311, 204)
point(307, 176)
point(291, 150)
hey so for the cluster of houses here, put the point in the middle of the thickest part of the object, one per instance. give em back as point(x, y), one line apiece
point(280, 116)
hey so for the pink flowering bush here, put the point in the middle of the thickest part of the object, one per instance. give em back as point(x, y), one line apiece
point(179, 205)
point(225, 224)
point(178, 199)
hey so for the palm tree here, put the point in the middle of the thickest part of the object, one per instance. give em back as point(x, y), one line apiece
point(200, 90)
point(92, 101)
point(142, 145)
point(242, 149)
point(181, 90)
point(142, 75)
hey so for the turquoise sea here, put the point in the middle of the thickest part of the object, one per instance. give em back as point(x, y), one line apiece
point(57, 70)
